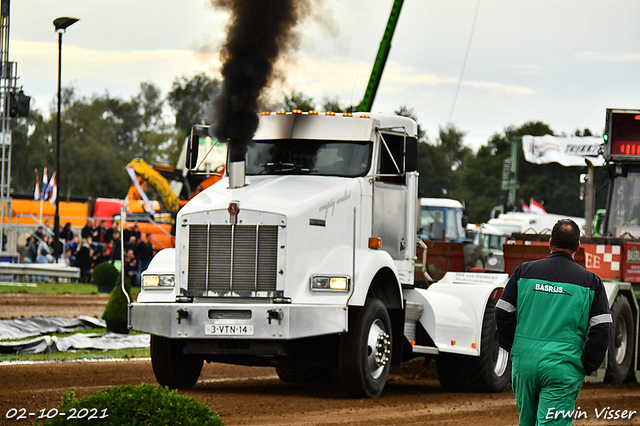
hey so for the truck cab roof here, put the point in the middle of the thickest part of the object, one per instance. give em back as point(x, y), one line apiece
point(441, 202)
point(356, 126)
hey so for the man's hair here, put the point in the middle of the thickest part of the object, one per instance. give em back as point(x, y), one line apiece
point(565, 235)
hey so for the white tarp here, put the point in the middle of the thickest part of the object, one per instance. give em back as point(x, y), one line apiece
point(75, 342)
point(566, 151)
point(19, 328)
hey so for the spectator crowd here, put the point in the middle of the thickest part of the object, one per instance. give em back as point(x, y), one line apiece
point(92, 246)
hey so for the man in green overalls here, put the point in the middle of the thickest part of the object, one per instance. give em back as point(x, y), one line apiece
point(548, 310)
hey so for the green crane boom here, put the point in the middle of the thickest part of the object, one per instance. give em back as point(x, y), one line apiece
point(381, 58)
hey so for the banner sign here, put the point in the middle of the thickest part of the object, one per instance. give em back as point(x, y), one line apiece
point(631, 262)
point(566, 151)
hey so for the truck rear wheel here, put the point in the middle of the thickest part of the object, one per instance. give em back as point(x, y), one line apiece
point(621, 345)
point(489, 372)
point(171, 366)
point(365, 351)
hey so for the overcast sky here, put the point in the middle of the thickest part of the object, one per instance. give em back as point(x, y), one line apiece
point(562, 62)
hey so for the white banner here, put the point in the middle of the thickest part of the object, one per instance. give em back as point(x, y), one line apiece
point(566, 151)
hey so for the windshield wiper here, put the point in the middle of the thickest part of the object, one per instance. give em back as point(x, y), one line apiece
point(281, 167)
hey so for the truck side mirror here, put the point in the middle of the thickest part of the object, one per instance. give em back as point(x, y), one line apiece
point(465, 221)
point(583, 185)
point(192, 151)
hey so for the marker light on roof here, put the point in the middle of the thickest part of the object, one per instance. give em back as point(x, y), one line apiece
point(330, 113)
point(347, 114)
point(297, 111)
point(365, 116)
point(265, 113)
point(280, 112)
point(313, 112)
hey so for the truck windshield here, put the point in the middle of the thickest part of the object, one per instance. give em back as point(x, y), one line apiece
point(624, 212)
point(303, 156)
point(436, 221)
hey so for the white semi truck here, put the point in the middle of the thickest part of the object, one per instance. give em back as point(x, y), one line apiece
point(302, 257)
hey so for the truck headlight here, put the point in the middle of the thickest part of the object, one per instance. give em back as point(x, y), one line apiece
point(328, 283)
point(151, 281)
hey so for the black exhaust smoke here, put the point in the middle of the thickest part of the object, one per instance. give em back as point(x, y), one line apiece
point(259, 31)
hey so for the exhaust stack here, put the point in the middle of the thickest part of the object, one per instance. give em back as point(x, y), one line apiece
point(236, 172)
point(258, 33)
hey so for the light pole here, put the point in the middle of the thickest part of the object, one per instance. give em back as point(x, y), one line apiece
point(61, 25)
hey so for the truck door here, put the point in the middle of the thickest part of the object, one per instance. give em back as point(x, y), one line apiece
point(394, 195)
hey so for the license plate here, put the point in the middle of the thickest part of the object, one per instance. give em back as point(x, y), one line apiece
point(228, 330)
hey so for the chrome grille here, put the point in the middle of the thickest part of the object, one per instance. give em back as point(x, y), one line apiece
point(232, 260)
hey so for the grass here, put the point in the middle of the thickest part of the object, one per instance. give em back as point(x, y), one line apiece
point(82, 354)
point(53, 288)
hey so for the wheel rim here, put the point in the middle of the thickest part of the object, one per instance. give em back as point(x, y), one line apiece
point(621, 341)
point(502, 360)
point(378, 349)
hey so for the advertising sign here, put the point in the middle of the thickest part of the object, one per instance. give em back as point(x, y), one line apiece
point(631, 262)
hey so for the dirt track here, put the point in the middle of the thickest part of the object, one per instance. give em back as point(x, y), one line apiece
point(255, 396)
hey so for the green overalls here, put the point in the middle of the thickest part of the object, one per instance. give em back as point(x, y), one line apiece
point(543, 319)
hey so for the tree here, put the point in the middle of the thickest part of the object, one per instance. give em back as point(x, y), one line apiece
point(190, 100)
point(153, 137)
point(99, 136)
point(585, 132)
point(437, 175)
point(29, 151)
point(437, 179)
point(405, 111)
point(451, 140)
point(298, 100)
point(98, 140)
point(336, 106)
point(479, 181)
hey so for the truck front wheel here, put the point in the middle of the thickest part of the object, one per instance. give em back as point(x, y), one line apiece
point(171, 366)
point(365, 351)
point(621, 344)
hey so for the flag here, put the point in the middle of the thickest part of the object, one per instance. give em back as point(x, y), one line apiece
point(36, 192)
point(45, 185)
point(525, 208)
point(536, 207)
point(54, 189)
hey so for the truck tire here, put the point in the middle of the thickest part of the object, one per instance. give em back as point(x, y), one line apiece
point(489, 372)
point(365, 351)
point(620, 355)
point(473, 257)
point(171, 367)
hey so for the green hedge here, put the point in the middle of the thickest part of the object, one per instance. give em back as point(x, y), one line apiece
point(128, 405)
point(116, 308)
point(105, 274)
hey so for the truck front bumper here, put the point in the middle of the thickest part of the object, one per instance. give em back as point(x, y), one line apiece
point(237, 321)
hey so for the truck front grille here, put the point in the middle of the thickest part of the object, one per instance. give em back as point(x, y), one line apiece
point(232, 260)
